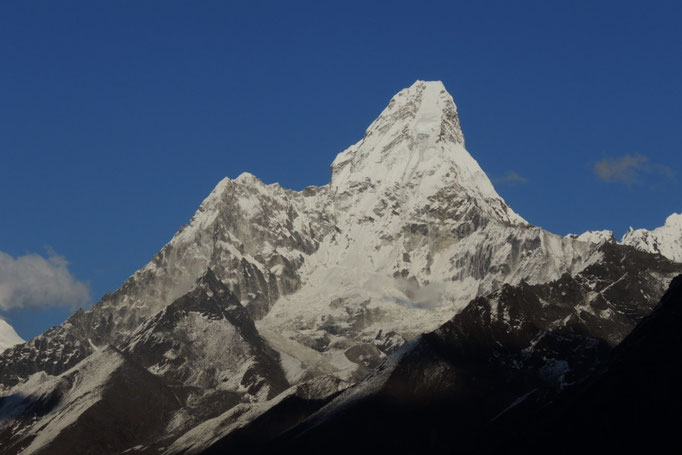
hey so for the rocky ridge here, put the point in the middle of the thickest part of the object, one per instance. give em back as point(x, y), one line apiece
point(665, 240)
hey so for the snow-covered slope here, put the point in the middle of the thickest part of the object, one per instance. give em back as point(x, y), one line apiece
point(665, 240)
point(8, 336)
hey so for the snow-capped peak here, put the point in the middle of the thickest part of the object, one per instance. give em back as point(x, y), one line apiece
point(247, 177)
point(674, 221)
point(604, 236)
point(8, 336)
point(424, 108)
point(414, 149)
point(665, 240)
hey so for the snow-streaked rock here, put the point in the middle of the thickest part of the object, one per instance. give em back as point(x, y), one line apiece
point(206, 346)
point(106, 404)
point(216, 433)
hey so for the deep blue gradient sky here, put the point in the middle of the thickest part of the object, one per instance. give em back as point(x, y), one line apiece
point(117, 118)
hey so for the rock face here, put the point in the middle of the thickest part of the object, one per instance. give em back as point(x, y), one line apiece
point(270, 301)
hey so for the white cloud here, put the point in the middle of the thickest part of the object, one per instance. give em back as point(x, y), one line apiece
point(511, 178)
point(628, 168)
point(426, 296)
point(33, 281)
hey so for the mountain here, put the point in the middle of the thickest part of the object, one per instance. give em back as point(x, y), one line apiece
point(8, 336)
point(256, 315)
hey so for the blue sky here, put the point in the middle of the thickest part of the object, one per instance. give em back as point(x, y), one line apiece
point(117, 118)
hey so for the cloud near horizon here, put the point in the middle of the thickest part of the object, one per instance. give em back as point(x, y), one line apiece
point(33, 281)
point(511, 178)
point(628, 169)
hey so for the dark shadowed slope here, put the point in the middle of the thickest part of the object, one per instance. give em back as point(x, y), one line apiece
point(634, 404)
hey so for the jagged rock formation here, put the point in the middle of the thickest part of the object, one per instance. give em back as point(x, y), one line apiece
point(271, 301)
